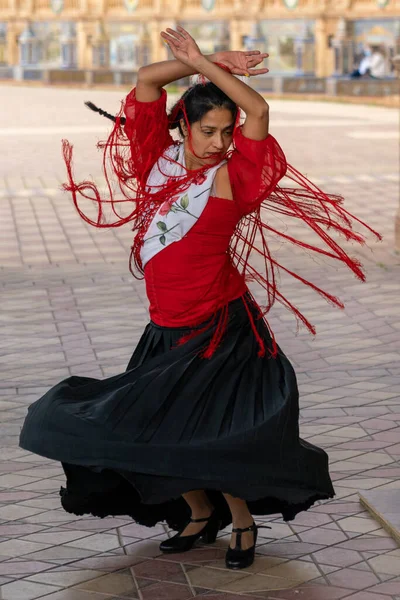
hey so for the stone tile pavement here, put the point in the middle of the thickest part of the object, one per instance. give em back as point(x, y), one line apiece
point(69, 305)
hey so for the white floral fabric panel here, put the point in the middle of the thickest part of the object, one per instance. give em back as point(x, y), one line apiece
point(179, 213)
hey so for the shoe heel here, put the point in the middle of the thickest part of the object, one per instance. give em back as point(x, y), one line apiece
point(210, 534)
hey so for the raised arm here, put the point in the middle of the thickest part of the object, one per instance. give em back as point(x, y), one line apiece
point(154, 77)
point(251, 102)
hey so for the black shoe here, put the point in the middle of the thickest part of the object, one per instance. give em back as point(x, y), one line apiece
point(236, 558)
point(207, 535)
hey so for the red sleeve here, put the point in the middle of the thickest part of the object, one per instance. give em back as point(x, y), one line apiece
point(146, 127)
point(255, 168)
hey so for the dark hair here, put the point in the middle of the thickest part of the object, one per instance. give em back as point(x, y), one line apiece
point(197, 101)
point(103, 113)
point(194, 103)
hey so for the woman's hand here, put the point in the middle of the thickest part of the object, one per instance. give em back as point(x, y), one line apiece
point(182, 45)
point(242, 63)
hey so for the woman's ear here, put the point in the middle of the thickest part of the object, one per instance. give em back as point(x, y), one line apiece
point(184, 129)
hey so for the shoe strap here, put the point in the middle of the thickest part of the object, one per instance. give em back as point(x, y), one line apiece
point(251, 528)
point(239, 530)
point(200, 520)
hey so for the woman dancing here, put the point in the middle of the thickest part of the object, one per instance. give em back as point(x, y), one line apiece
point(202, 429)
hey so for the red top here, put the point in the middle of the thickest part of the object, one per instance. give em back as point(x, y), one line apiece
point(189, 280)
point(186, 278)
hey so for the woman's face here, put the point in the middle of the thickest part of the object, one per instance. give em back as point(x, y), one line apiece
point(211, 137)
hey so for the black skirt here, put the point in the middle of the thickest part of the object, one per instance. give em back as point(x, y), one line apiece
point(133, 443)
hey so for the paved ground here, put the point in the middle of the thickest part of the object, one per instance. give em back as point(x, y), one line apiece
point(69, 305)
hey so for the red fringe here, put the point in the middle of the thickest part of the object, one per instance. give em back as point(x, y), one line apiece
point(320, 212)
point(261, 351)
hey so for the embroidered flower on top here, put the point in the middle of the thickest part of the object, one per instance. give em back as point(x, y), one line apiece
point(167, 206)
point(172, 205)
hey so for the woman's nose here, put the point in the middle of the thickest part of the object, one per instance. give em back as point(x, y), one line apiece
point(218, 143)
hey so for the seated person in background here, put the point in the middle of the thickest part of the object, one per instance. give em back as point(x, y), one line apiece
point(373, 64)
point(378, 63)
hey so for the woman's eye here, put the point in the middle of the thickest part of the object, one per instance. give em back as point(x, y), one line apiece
point(227, 133)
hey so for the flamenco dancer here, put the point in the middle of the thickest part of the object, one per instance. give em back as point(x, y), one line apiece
point(202, 429)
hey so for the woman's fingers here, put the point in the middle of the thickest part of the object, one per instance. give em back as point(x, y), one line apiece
point(175, 34)
point(254, 72)
point(260, 57)
point(256, 53)
point(256, 60)
point(180, 34)
point(183, 32)
point(168, 39)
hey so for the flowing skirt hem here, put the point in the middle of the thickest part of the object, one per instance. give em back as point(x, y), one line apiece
point(116, 494)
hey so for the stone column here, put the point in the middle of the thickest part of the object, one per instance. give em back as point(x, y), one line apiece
point(158, 48)
point(321, 48)
point(14, 30)
point(235, 35)
point(84, 31)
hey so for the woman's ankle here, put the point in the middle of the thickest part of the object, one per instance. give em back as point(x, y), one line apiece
point(199, 504)
point(202, 512)
point(242, 521)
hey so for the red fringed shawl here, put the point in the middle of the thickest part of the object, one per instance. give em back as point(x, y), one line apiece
point(131, 151)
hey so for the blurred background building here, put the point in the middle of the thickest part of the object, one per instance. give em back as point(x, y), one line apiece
point(105, 41)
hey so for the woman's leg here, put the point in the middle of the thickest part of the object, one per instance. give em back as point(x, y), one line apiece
point(241, 517)
point(201, 508)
